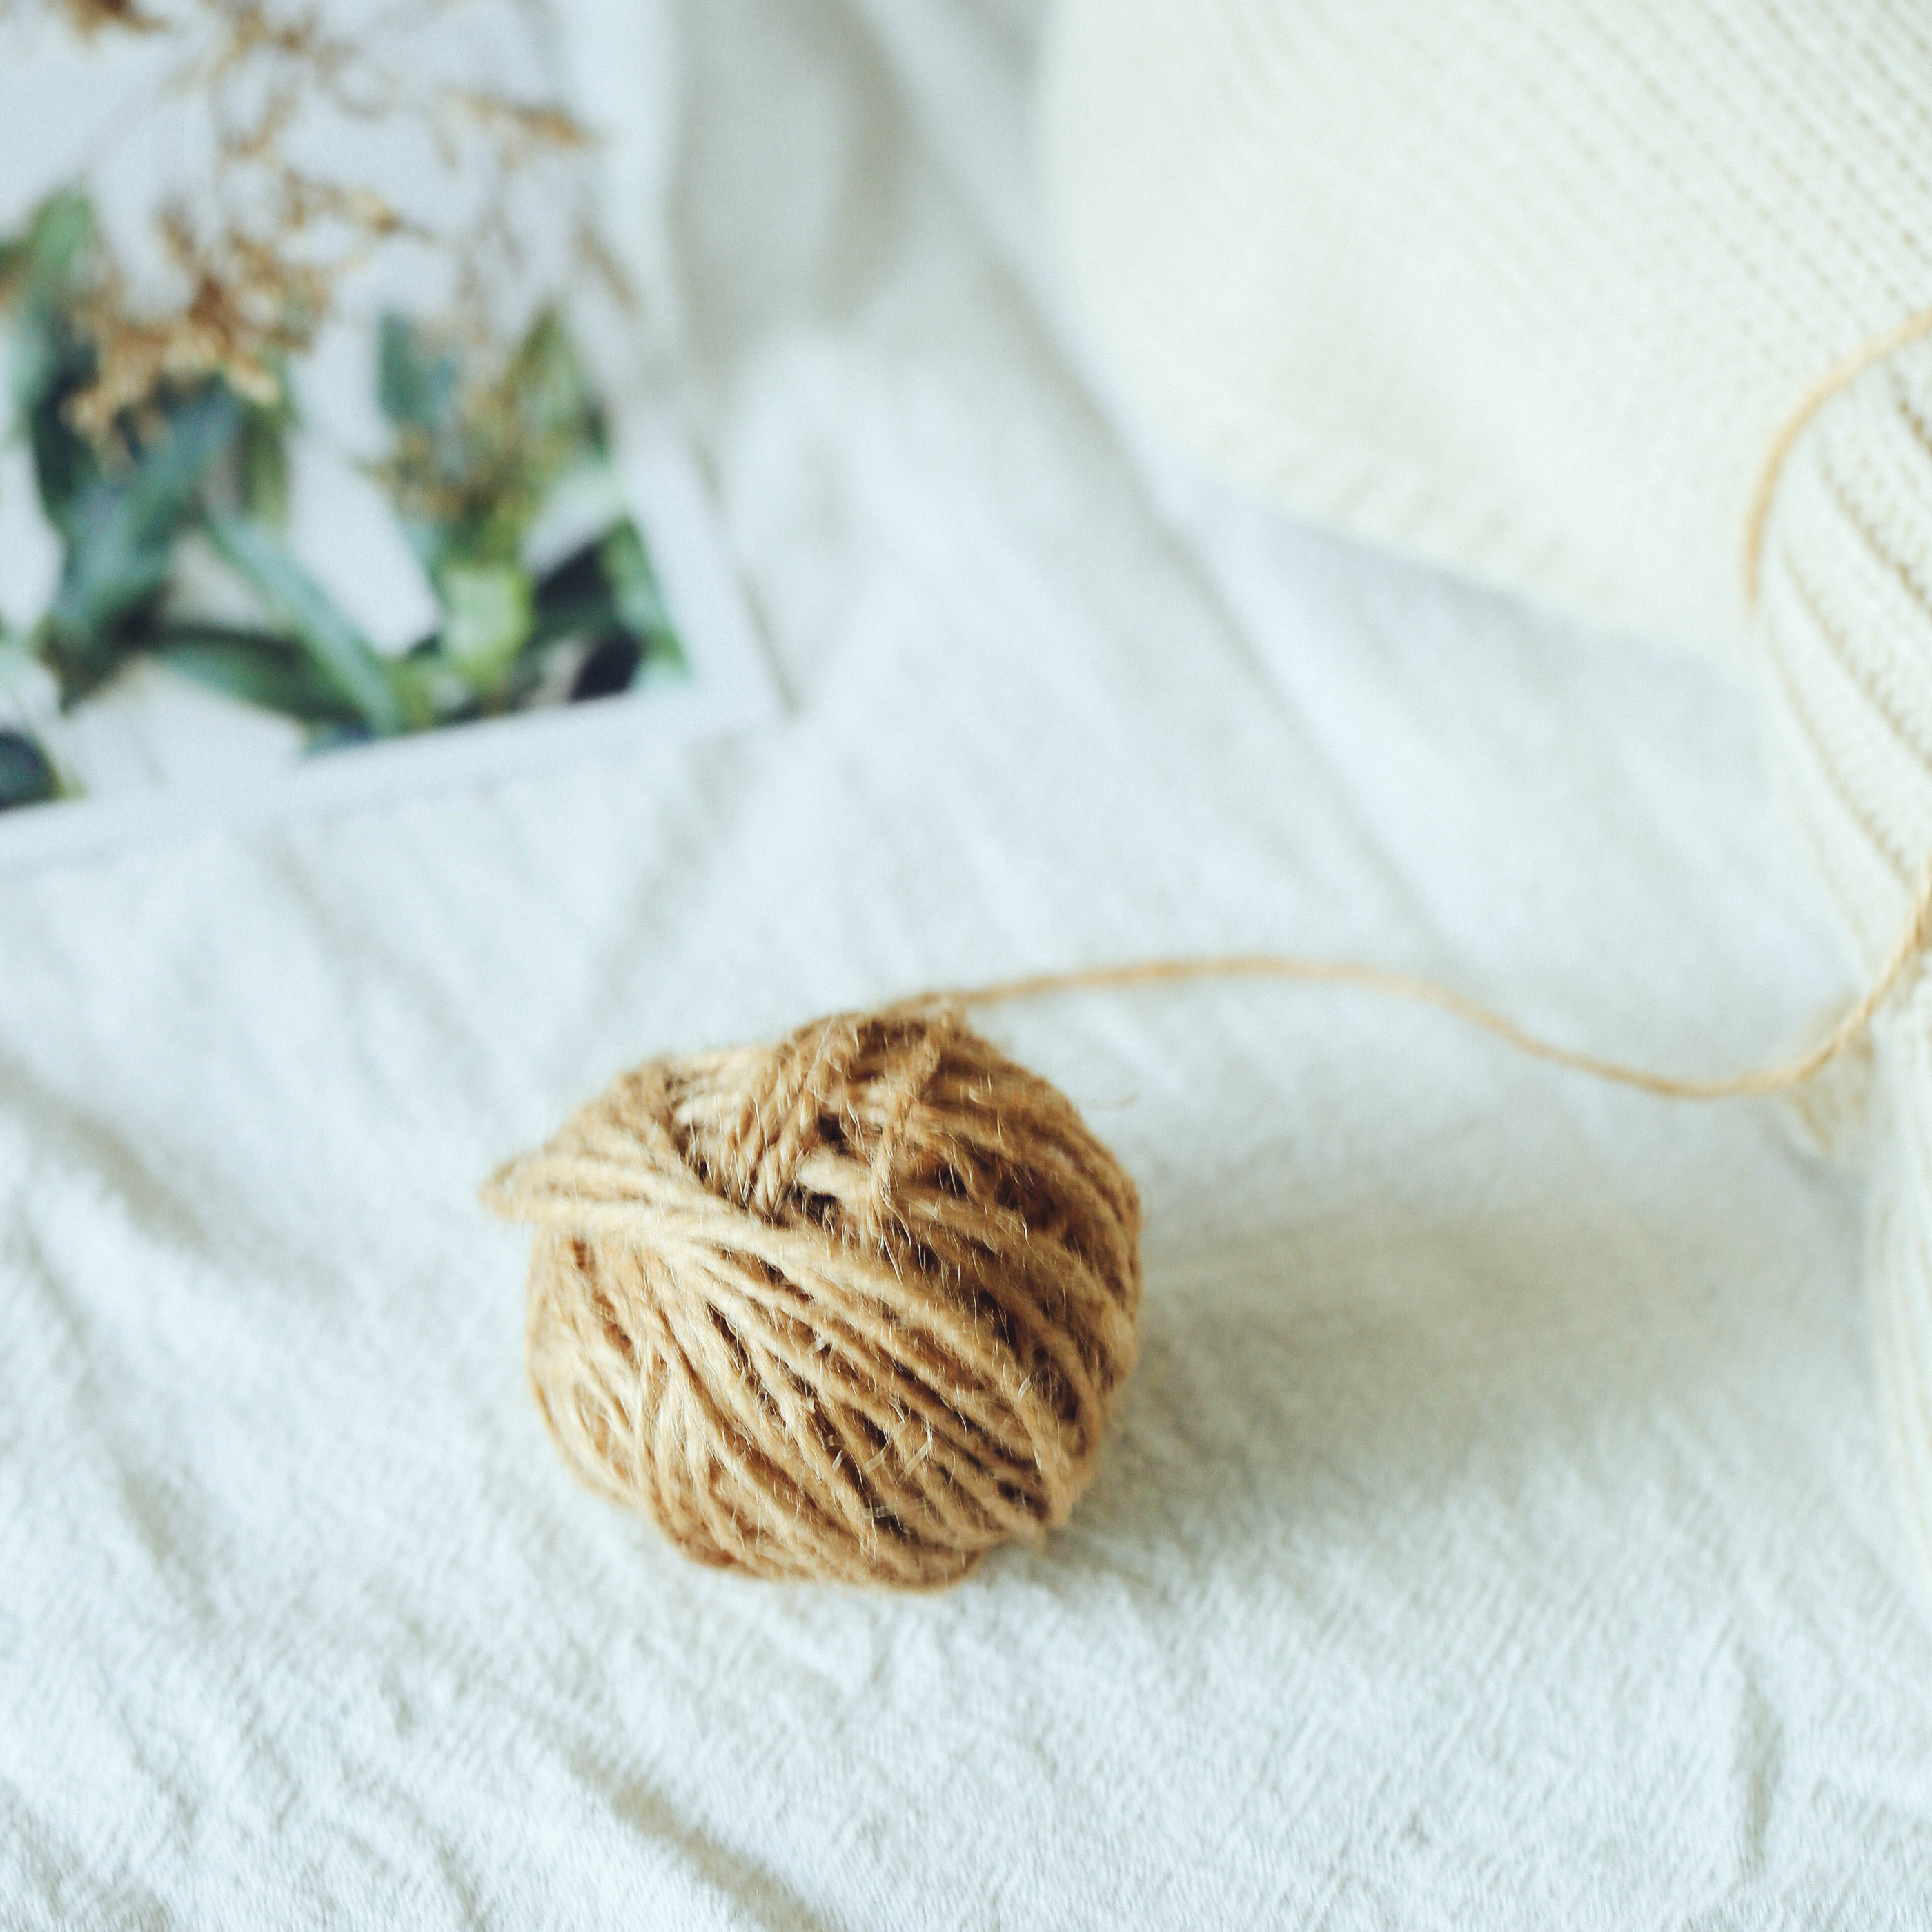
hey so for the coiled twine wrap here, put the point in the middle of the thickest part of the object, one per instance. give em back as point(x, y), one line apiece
point(851, 1306)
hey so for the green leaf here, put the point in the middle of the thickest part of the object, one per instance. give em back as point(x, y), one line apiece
point(43, 264)
point(552, 393)
point(417, 377)
point(260, 669)
point(489, 611)
point(26, 776)
point(626, 566)
point(574, 577)
point(65, 467)
point(338, 650)
point(433, 690)
point(42, 272)
point(262, 469)
point(607, 590)
point(476, 452)
point(573, 598)
point(120, 530)
point(572, 617)
point(45, 362)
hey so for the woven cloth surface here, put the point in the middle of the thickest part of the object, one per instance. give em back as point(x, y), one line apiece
point(1497, 1529)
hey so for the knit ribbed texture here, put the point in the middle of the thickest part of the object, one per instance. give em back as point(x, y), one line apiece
point(1528, 288)
point(1533, 289)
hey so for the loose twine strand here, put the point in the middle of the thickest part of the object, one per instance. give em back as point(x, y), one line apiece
point(1779, 1077)
point(1840, 377)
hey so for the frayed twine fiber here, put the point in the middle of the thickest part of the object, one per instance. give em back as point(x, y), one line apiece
point(850, 1307)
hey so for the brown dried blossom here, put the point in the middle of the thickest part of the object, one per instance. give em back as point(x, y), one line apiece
point(523, 127)
point(247, 306)
point(259, 286)
point(89, 17)
point(493, 458)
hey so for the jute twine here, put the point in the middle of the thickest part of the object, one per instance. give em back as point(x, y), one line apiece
point(854, 1306)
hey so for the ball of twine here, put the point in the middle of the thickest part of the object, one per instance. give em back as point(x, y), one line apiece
point(850, 1307)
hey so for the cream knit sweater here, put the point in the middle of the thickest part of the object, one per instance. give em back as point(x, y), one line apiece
point(1531, 288)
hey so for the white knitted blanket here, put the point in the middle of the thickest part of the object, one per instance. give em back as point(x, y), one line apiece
point(1496, 1531)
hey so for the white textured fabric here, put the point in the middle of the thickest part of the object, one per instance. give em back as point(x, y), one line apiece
point(1494, 1532)
point(1535, 290)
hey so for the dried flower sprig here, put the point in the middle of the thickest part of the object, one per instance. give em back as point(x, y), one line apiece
point(249, 308)
point(258, 267)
